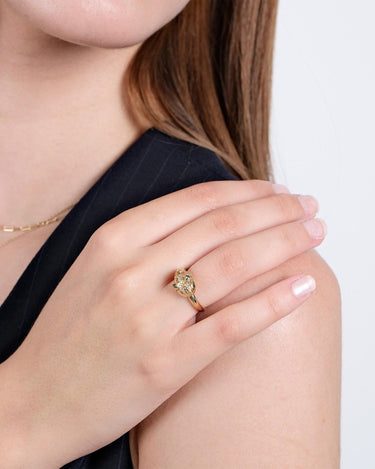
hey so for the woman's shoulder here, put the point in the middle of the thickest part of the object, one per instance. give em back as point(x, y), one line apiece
point(156, 164)
point(292, 365)
point(197, 161)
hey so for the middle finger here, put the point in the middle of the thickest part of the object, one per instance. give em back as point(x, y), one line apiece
point(196, 239)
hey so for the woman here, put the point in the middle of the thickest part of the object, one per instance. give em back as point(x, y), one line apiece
point(148, 114)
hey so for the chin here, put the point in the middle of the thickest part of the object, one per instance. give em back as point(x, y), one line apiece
point(99, 23)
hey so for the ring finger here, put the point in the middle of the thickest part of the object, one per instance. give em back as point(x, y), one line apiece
point(233, 263)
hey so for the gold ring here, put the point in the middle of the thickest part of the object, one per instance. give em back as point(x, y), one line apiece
point(185, 285)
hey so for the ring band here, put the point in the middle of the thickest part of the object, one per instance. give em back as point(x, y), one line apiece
point(185, 285)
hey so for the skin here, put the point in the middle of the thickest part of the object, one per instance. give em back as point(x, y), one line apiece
point(98, 23)
point(291, 370)
point(127, 353)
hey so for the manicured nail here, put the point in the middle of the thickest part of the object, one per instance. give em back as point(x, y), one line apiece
point(309, 204)
point(280, 189)
point(316, 228)
point(303, 286)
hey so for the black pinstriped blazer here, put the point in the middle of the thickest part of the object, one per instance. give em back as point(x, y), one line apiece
point(154, 165)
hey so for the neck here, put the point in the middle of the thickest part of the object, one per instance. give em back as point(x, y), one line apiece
point(64, 118)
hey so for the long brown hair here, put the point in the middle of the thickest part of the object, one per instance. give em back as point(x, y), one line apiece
point(205, 77)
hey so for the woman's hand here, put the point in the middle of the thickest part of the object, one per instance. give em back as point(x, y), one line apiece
point(114, 340)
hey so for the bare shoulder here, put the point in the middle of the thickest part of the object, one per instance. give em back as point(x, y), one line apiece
point(272, 401)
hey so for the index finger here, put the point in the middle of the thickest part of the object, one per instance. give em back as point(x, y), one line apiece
point(151, 222)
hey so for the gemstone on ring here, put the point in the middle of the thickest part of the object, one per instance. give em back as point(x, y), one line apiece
point(184, 283)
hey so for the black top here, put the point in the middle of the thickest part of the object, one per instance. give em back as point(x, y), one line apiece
point(154, 165)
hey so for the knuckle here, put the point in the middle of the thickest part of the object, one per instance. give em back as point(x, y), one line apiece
point(226, 221)
point(156, 369)
point(275, 306)
point(124, 284)
point(106, 239)
point(284, 205)
point(229, 329)
point(232, 261)
point(140, 327)
point(207, 193)
point(290, 236)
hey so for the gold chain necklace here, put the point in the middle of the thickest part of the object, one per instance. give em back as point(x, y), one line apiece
point(28, 228)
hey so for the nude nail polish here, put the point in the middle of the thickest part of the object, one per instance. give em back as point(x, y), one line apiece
point(316, 228)
point(303, 286)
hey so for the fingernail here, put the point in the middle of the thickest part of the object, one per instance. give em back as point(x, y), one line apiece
point(303, 286)
point(316, 228)
point(280, 189)
point(309, 204)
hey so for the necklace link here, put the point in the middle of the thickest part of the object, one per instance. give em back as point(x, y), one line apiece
point(27, 228)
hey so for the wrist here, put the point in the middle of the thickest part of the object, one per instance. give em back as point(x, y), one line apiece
point(22, 439)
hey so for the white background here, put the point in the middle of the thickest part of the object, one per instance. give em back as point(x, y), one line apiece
point(322, 144)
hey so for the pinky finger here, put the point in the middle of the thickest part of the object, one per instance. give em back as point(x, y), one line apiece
point(201, 343)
